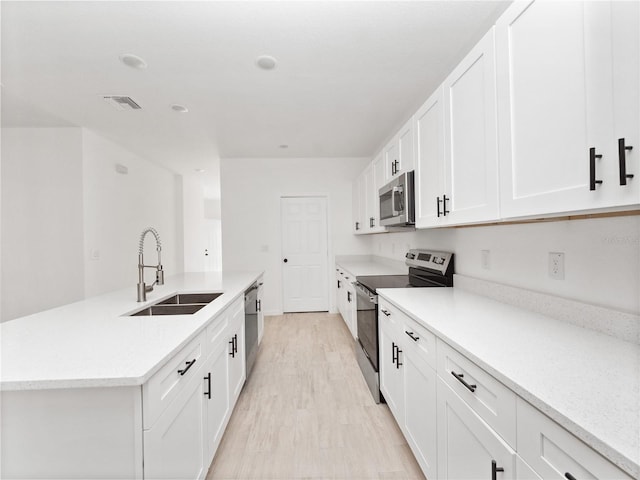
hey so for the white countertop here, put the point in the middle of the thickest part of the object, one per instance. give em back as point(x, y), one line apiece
point(586, 381)
point(92, 343)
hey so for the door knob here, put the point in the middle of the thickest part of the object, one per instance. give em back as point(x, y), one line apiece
point(285, 260)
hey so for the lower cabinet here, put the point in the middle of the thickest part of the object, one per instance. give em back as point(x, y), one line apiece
point(346, 299)
point(391, 375)
point(419, 412)
point(216, 398)
point(467, 447)
point(175, 446)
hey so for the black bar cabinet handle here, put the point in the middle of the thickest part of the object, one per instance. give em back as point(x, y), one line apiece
point(233, 350)
point(592, 169)
point(235, 342)
point(338, 283)
point(568, 476)
point(438, 205)
point(411, 335)
point(259, 305)
point(398, 362)
point(386, 312)
point(622, 157)
point(495, 469)
point(357, 225)
point(349, 297)
point(189, 365)
point(460, 378)
point(208, 392)
point(444, 205)
point(393, 352)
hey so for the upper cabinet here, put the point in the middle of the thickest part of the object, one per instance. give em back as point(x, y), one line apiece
point(366, 198)
point(399, 152)
point(429, 178)
point(568, 106)
point(456, 145)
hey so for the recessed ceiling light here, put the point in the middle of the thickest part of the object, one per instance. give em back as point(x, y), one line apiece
point(266, 62)
point(133, 61)
point(179, 108)
point(283, 146)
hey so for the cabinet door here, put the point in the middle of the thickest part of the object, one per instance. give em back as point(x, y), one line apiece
point(471, 137)
point(379, 174)
point(236, 353)
point(467, 447)
point(420, 382)
point(545, 80)
point(392, 157)
point(174, 446)
point(351, 308)
point(357, 219)
point(216, 398)
point(429, 133)
point(260, 310)
point(625, 22)
point(391, 373)
point(406, 147)
point(369, 187)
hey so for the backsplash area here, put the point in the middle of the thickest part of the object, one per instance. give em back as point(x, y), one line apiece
point(601, 256)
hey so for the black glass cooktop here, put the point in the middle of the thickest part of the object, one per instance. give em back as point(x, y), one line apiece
point(373, 282)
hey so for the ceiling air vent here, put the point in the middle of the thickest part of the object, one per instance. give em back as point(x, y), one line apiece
point(121, 102)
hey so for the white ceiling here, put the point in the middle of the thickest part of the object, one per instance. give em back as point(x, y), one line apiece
point(348, 73)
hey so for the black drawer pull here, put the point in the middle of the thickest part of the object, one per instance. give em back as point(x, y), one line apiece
point(568, 476)
point(189, 364)
point(495, 469)
point(592, 169)
point(622, 157)
point(438, 205)
point(414, 338)
point(208, 392)
point(386, 312)
point(459, 377)
point(394, 356)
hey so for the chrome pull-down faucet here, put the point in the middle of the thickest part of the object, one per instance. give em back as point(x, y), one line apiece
point(142, 288)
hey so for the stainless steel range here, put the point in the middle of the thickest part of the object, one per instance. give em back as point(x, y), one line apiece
point(427, 268)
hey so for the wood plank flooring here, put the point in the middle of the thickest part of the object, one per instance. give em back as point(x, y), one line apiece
point(306, 412)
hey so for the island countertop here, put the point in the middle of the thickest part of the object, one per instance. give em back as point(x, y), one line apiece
point(94, 343)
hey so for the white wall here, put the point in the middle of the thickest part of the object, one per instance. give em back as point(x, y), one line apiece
point(71, 224)
point(42, 234)
point(251, 191)
point(602, 256)
point(117, 208)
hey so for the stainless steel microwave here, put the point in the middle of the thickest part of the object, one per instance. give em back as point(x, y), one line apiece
point(397, 201)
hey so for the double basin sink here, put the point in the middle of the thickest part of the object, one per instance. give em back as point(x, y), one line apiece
point(179, 304)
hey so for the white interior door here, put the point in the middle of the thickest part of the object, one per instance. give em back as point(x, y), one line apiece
point(304, 254)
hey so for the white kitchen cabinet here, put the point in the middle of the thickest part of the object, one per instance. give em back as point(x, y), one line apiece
point(380, 174)
point(346, 299)
point(567, 91)
point(471, 156)
point(554, 453)
point(430, 161)
point(391, 368)
point(216, 399)
point(356, 186)
point(175, 446)
point(399, 152)
point(420, 410)
point(235, 349)
point(467, 447)
point(260, 309)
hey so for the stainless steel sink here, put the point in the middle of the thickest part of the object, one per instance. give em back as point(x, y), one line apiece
point(190, 298)
point(168, 310)
point(179, 304)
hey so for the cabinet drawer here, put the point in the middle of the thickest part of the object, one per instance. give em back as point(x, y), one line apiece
point(553, 452)
point(491, 400)
point(420, 340)
point(388, 314)
point(166, 384)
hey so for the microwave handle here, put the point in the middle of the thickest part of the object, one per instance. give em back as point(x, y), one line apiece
point(395, 190)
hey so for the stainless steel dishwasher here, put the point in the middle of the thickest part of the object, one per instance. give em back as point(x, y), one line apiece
point(251, 326)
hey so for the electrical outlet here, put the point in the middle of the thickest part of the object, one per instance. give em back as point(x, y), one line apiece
point(556, 265)
point(485, 256)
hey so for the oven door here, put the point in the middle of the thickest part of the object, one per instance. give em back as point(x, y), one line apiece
point(367, 324)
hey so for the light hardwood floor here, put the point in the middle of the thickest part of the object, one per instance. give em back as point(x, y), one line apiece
point(306, 412)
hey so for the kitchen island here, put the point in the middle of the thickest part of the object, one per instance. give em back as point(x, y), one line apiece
point(89, 391)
